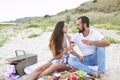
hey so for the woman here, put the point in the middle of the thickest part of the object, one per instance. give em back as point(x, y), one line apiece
point(60, 48)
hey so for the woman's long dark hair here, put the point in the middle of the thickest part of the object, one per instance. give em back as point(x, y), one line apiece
point(57, 37)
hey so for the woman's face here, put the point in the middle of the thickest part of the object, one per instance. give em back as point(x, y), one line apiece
point(65, 28)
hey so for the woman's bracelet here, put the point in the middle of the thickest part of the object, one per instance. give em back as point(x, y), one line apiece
point(71, 50)
point(65, 50)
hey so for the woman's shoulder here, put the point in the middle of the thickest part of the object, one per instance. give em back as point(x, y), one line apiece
point(68, 36)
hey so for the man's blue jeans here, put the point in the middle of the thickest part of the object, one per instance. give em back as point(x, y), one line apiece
point(96, 59)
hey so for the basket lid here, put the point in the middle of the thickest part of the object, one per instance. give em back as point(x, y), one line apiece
point(20, 57)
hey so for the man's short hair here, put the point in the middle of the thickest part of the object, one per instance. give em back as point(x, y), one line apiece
point(84, 20)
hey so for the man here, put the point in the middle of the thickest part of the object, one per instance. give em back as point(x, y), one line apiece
point(92, 45)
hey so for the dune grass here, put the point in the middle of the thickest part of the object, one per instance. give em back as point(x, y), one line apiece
point(118, 33)
point(33, 35)
point(112, 40)
point(73, 30)
point(108, 27)
point(2, 41)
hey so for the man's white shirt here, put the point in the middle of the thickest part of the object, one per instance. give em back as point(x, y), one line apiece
point(87, 49)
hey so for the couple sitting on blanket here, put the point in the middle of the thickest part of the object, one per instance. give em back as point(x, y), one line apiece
point(91, 43)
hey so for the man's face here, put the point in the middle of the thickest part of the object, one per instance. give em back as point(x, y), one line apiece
point(80, 26)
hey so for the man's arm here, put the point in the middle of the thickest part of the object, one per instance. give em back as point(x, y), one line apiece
point(102, 43)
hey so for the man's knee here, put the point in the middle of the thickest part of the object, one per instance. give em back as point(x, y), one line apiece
point(100, 49)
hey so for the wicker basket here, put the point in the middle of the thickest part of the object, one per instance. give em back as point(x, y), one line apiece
point(22, 61)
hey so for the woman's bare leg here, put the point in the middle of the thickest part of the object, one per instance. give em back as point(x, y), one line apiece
point(38, 71)
point(53, 68)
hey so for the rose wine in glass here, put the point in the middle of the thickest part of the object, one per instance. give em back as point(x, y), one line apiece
point(71, 42)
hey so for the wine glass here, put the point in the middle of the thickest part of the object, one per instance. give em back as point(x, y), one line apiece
point(71, 42)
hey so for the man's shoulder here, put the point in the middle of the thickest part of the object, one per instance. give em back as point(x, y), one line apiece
point(96, 34)
point(94, 31)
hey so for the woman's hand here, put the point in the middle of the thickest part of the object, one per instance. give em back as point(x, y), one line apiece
point(70, 47)
point(67, 49)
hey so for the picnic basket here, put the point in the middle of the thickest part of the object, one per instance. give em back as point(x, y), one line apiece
point(22, 61)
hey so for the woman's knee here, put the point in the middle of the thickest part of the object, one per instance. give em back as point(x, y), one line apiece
point(59, 66)
point(39, 69)
point(43, 67)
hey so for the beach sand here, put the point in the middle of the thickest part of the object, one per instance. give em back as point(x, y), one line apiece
point(39, 46)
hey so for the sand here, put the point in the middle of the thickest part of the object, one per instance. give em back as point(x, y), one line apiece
point(39, 46)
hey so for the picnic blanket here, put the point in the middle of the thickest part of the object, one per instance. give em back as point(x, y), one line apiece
point(31, 68)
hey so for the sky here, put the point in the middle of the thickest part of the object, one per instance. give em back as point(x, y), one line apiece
point(12, 9)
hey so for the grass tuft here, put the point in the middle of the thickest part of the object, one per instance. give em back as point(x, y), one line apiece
point(33, 35)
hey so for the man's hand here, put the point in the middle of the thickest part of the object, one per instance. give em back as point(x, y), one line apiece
point(87, 42)
point(81, 59)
